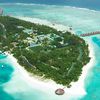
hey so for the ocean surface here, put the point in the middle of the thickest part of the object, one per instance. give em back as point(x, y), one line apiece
point(12, 84)
point(91, 4)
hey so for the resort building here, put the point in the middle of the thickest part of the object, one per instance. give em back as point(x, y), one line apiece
point(59, 91)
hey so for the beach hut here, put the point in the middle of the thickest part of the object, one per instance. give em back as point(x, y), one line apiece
point(59, 91)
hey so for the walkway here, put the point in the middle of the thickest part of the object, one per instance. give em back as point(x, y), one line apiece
point(89, 34)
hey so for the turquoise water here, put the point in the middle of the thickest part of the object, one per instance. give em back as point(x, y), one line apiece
point(82, 20)
point(5, 76)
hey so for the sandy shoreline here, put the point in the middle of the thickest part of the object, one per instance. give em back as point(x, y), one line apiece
point(58, 27)
point(80, 84)
point(50, 85)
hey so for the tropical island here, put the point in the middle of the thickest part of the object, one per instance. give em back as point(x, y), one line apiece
point(44, 51)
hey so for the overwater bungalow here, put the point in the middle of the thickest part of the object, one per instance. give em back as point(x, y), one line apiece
point(59, 91)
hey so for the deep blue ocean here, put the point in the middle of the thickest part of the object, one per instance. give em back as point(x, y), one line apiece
point(65, 12)
point(91, 4)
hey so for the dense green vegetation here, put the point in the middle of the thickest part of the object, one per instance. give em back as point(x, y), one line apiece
point(44, 51)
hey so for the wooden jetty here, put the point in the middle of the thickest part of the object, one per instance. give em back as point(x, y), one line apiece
point(89, 34)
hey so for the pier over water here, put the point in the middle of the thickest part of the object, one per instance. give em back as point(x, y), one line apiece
point(89, 34)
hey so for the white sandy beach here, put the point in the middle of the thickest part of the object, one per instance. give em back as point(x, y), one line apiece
point(49, 85)
point(59, 27)
point(80, 85)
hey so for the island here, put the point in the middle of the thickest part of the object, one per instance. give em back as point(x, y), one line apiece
point(44, 51)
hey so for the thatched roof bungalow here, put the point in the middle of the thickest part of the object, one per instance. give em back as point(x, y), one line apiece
point(59, 91)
